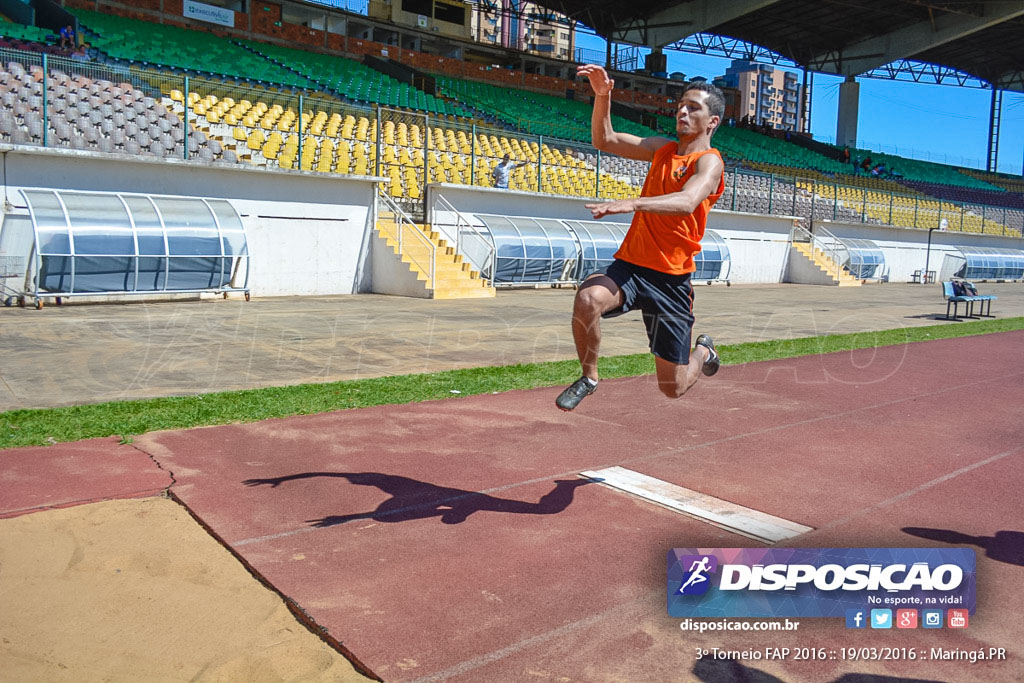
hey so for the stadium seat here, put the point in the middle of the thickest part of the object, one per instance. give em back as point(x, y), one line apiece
point(145, 42)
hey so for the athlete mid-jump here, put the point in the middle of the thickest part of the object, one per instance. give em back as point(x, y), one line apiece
point(652, 268)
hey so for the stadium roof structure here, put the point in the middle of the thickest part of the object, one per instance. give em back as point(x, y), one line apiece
point(845, 37)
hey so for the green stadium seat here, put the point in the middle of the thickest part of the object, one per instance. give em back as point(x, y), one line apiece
point(533, 113)
point(352, 79)
point(34, 34)
point(150, 43)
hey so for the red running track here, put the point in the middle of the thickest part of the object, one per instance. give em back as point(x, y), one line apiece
point(40, 478)
point(453, 540)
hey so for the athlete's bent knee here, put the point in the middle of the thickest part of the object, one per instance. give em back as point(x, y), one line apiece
point(589, 301)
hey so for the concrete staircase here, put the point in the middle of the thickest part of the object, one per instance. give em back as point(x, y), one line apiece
point(811, 266)
point(454, 278)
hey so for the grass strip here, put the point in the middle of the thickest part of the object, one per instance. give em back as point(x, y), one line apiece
point(36, 427)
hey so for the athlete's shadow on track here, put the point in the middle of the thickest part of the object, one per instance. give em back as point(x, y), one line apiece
point(732, 671)
point(1003, 546)
point(413, 499)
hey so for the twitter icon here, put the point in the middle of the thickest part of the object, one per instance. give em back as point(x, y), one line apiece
point(881, 618)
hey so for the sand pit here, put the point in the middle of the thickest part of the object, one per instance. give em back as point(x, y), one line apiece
point(129, 590)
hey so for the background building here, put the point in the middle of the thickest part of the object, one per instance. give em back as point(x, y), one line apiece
point(767, 95)
point(524, 26)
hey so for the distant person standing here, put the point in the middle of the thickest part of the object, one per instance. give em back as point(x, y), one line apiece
point(503, 169)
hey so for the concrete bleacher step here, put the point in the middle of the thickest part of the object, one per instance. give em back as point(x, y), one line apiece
point(453, 277)
point(476, 293)
point(825, 267)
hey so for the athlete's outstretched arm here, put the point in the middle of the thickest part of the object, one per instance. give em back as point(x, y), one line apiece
point(701, 184)
point(602, 135)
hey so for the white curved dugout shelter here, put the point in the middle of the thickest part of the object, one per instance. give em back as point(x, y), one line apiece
point(97, 243)
point(863, 258)
point(520, 250)
point(984, 263)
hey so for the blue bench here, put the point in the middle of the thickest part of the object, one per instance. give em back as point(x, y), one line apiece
point(954, 299)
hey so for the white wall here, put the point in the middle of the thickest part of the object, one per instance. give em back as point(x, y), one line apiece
point(312, 233)
point(469, 200)
point(803, 271)
point(309, 233)
point(906, 249)
point(758, 245)
point(391, 274)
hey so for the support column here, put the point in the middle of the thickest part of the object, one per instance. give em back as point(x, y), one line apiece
point(506, 19)
point(805, 109)
point(994, 116)
point(849, 103)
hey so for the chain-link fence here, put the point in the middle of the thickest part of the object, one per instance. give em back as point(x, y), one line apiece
point(402, 153)
point(815, 200)
point(61, 102)
point(55, 101)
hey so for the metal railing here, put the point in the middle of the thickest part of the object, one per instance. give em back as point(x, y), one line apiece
point(404, 226)
point(469, 241)
point(815, 200)
point(825, 242)
point(183, 127)
point(183, 103)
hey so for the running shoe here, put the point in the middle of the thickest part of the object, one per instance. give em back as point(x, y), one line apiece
point(713, 362)
point(576, 392)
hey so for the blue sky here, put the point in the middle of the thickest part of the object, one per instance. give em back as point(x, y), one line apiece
point(943, 123)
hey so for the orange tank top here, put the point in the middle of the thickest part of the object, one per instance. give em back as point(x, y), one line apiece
point(668, 242)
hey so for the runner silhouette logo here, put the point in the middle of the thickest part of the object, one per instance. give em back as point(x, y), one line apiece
point(696, 580)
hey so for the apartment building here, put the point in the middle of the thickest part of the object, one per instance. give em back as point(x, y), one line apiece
point(767, 94)
point(524, 26)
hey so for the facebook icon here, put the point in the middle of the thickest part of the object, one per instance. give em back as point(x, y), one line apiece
point(856, 618)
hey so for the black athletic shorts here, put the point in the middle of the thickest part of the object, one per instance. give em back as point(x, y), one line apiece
point(667, 304)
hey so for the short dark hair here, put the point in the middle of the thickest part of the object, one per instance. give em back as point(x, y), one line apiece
point(716, 100)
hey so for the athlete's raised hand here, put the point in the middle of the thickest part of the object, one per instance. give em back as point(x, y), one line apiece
point(599, 80)
point(606, 208)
